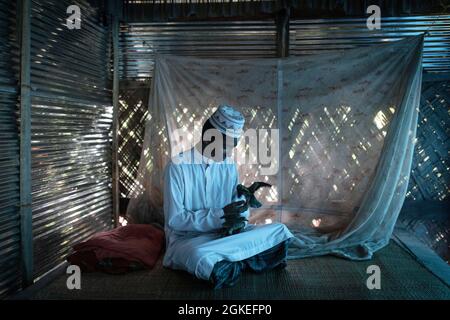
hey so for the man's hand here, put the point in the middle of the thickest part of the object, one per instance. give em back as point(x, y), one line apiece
point(234, 222)
point(235, 208)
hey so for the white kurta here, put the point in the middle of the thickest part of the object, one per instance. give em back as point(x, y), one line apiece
point(196, 189)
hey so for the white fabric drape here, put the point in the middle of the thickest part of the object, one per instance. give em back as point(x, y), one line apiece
point(346, 121)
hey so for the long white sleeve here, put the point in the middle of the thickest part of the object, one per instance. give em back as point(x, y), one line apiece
point(236, 198)
point(177, 216)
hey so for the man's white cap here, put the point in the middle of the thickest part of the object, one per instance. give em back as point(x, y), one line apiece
point(228, 121)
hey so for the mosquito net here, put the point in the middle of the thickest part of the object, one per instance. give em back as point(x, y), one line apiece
point(334, 135)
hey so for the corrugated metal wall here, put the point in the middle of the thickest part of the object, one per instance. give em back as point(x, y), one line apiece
point(168, 10)
point(10, 276)
point(319, 35)
point(230, 39)
point(71, 121)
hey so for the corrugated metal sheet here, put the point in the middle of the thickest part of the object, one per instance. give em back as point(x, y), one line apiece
point(10, 276)
point(229, 39)
point(71, 121)
point(319, 35)
point(165, 10)
point(139, 41)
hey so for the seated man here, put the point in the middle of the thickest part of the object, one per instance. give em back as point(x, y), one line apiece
point(200, 189)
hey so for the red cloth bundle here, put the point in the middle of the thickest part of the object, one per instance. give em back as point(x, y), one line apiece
point(120, 250)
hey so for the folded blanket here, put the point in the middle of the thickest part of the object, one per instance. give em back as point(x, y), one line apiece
point(120, 250)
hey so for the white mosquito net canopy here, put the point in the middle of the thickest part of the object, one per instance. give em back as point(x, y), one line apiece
point(338, 128)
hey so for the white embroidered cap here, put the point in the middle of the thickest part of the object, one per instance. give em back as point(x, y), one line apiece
point(228, 121)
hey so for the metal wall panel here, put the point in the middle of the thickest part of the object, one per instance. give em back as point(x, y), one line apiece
point(71, 121)
point(10, 275)
point(230, 39)
point(320, 35)
point(168, 10)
